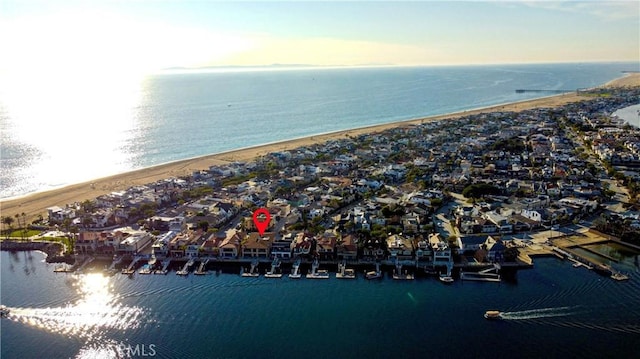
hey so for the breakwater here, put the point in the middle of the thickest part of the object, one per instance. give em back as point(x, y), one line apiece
point(53, 250)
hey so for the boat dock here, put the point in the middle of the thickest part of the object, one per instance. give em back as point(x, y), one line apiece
point(131, 268)
point(344, 272)
point(486, 275)
point(295, 273)
point(398, 275)
point(202, 269)
point(317, 274)
point(253, 272)
point(274, 267)
point(185, 269)
point(165, 267)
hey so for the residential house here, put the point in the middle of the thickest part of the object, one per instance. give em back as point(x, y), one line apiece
point(256, 246)
point(400, 247)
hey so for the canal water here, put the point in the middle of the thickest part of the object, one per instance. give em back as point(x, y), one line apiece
point(553, 310)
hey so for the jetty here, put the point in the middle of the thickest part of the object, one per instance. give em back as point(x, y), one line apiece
point(202, 269)
point(344, 272)
point(274, 267)
point(253, 272)
point(486, 275)
point(295, 274)
point(165, 267)
point(185, 269)
point(62, 268)
point(543, 90)
point(398, 275)
point(130, 270)
point(146, 269)
point(317, 273)
point(374, 274)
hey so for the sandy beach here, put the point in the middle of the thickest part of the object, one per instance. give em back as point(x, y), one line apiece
point(34, 204)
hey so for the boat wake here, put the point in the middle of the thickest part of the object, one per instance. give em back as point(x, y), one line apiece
point(537, 313)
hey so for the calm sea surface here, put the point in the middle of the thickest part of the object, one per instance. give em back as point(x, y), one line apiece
point(554, 310)
point(63, 130)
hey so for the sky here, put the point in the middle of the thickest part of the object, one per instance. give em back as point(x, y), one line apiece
point(147, 35)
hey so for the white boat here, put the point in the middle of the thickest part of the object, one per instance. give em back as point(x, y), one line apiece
point(492, 315)
point(619, 276)
point(317, 274)
point(446, 279)
point(344, 272)
point(4, 311)
point(374, 274)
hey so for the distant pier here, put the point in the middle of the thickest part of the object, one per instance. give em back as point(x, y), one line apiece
point(544, 90)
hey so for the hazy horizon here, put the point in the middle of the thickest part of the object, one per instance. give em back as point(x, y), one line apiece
point(143, 37)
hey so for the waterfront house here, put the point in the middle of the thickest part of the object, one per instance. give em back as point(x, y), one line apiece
point(87, 242)
point(496, 251)
point(424, 251)
point(282, 248)
point(230, 245)
point(58, 214)
point(441, 251)
point(347, 248)
point(134, 241)
point(400, 247)
point(302, 244)
point(160, 247)
point(326, 246)
point(256, 246)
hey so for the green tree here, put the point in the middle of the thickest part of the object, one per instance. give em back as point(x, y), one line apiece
point(204, 225)
point(8, 222)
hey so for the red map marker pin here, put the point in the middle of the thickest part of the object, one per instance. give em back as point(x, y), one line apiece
point(261, 225)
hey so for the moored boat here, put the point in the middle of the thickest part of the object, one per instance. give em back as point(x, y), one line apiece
point(446, 279)
point(619, 276)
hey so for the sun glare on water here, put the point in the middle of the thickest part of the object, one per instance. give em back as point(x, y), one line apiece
point(96, 311)
point(72, 85)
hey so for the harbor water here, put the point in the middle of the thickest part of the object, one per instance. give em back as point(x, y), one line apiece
point(553, 310)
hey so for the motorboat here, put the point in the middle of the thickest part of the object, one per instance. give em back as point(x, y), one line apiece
point(492, 315)
point(344, 272)
point(446, 279)
point(317, 273)
point(619, 276)
point(4, 311)
point(373, 275)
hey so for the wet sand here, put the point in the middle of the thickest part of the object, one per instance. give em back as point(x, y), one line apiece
point(37, 203)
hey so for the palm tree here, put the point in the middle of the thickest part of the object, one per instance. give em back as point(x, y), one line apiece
point(24, 224)
point(8, 221)
point(17, 216)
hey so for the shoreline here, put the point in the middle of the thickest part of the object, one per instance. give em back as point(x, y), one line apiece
point(36, 203)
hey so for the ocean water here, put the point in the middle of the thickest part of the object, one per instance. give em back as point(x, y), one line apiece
point(553, 311)
point(68, 130)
